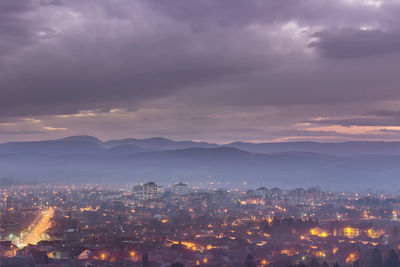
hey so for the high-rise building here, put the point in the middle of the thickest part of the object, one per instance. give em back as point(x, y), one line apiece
point(151, 190)
point(263, 192)
point(181, 189)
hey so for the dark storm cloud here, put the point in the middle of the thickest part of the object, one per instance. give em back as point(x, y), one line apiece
point(20, 132)
point(303, 134)
point(355, 43)
point(372, 118)
point(62, 57)
point(120, 64)
point(13, 29)
point(359, 122)
point(390, 131)
point(202, 15)
point(17, 27)
point(124, 52)
point(385, 113)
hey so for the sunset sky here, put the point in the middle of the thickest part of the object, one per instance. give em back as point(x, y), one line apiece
point(219, 71)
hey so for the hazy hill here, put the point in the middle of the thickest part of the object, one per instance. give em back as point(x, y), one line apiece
point(125, 150)
point(345, 148)
point(86, 159)
point(57, 147)
point(158, 143)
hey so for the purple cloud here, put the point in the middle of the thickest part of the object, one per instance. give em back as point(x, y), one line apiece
point(185, 59)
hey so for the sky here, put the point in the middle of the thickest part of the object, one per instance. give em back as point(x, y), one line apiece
point(213, 70)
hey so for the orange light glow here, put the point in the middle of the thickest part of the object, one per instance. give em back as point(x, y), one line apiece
point(350, 232)
point(261, 243)
point(318, 232)
point(351, 258)
point(372, 233)
point(286, 252)
point(41, 224)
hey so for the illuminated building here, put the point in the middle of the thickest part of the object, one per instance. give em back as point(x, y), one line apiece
point(151, 190)
point(181, 189)
point(318, 232)
point(263, 191)
point(350, 232)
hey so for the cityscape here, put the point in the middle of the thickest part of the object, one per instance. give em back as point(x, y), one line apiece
point(199, 133)
point(152, 225)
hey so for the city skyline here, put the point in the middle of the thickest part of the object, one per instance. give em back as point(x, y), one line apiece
point(204, 133)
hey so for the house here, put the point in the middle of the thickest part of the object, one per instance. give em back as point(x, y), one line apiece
point(7, 249)
point(85, 254)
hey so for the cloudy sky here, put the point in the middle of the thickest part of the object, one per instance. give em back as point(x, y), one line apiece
point(215, 70)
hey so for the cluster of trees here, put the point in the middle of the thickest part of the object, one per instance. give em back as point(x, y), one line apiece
point(375, 259)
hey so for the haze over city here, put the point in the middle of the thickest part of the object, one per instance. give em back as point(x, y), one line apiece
point(206, 133)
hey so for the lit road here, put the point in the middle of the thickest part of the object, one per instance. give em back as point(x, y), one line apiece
point(37, 228)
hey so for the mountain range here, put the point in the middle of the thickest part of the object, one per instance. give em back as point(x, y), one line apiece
point(79, 159)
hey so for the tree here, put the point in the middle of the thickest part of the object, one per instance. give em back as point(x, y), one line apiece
point(395, 233)
point(392, 260)
point(314, 263)
point(145, 260)
point(376, 258)
point(249, 261)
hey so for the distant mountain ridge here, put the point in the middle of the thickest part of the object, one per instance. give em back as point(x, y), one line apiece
point(88, 159)
point(343, 148)
point(159, 143)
